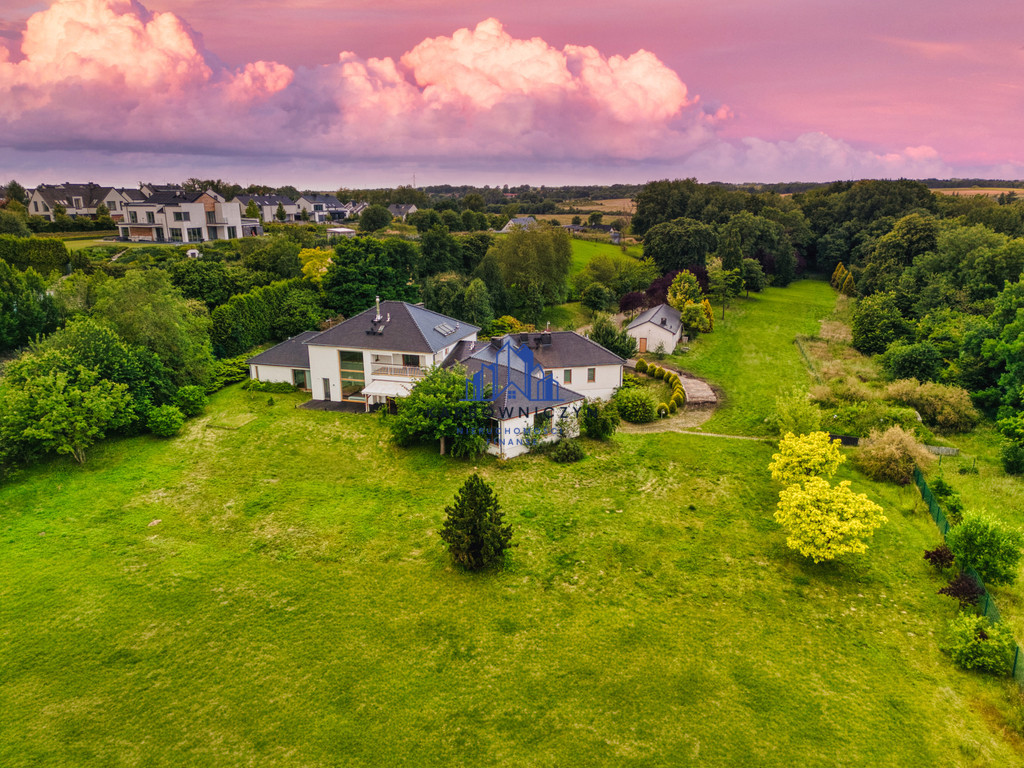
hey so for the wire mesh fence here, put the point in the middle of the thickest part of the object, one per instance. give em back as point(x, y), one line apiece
point(986, 606)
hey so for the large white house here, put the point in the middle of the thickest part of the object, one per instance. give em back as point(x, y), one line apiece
point(77, 199)
point(183, 217)
point(657, 327)
point(379, 355)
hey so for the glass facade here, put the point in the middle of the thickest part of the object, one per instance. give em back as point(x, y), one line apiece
point(353, 377)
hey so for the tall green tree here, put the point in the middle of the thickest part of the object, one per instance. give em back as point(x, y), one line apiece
point(474, 528)
point(59, 412)
point(144, 308)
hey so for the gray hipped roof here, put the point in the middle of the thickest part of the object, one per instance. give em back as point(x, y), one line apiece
point(662, 312)
point(292, 353)
point(402, 328)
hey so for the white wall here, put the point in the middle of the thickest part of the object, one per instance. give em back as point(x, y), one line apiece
point(510, 435)
point(271, 373)
point(607, 378)
point(655, 335)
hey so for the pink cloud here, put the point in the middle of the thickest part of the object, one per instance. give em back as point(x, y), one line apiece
point(111, 75)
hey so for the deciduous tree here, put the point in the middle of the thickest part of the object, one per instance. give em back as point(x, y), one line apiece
point(824, 521)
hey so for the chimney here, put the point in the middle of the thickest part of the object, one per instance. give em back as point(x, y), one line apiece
point(548, 326)
point(377, 318)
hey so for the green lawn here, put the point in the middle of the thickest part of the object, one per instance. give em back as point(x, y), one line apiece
point(77, 245)
point(584, 250)
point(293, 606)
point(269, 589)
point(751, 355)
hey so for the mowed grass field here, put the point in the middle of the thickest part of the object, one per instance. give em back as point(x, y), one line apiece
point(269, 589)
point(751, 355)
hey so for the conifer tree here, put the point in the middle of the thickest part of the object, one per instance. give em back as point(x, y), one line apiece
point(473, 527)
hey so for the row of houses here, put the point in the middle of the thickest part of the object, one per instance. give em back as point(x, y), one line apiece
point(170, 214)
point(535, 380)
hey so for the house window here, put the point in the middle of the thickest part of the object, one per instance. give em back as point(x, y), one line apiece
point(300, 379)
point(567, 376)
point(35, 206)
point(133, 217)
point(124, 233)
point(232, 233)
point(150, 217)
point(591, 375)
point(181, 216)
point(211, 217)
point(353, 378)
point(195, 235)
point(176, 235)
point(318, 207)
point(76, 202)
point(411, 361)
point(112, 205)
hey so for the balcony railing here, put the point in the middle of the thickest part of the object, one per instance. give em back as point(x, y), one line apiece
point(408, 371)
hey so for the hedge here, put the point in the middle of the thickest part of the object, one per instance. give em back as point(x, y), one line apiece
point(247, 320)
point(43, 254)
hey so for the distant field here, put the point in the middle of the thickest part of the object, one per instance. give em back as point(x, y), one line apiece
point(990, 191)
point(584, 250)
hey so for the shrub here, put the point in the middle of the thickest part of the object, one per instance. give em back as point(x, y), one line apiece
point(635, 405)
point(877, 323)
point(662, 410)
point(803, 456)
point(948, 409)
point(679, 399)
point(912, 361)
point(629, 380)
point(672, 407)
point(963, 588)
point(795, 413)
point(473, 527)
point(191, 400)
point(974, 643)
point(641, 366)
point(279, 387)
point(860, 418)
point(986, 546)
point(941, 557)
point(567, 451)
point(892, 455)
point(823, 522)
point(1012, 455)
point(165, 421)
point(659, 372)
point(599, 420)
point(228, 371)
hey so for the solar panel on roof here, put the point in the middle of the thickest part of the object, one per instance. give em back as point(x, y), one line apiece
point(444, 329)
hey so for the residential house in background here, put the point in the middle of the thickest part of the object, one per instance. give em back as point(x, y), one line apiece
point(268, 206)
point(322, 208)
point(657, 328)
point(401, 211)
point(520, 222)
point(182, 217)
point(77, 199)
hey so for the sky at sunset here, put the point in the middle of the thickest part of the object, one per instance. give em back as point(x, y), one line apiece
point(329, 93)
